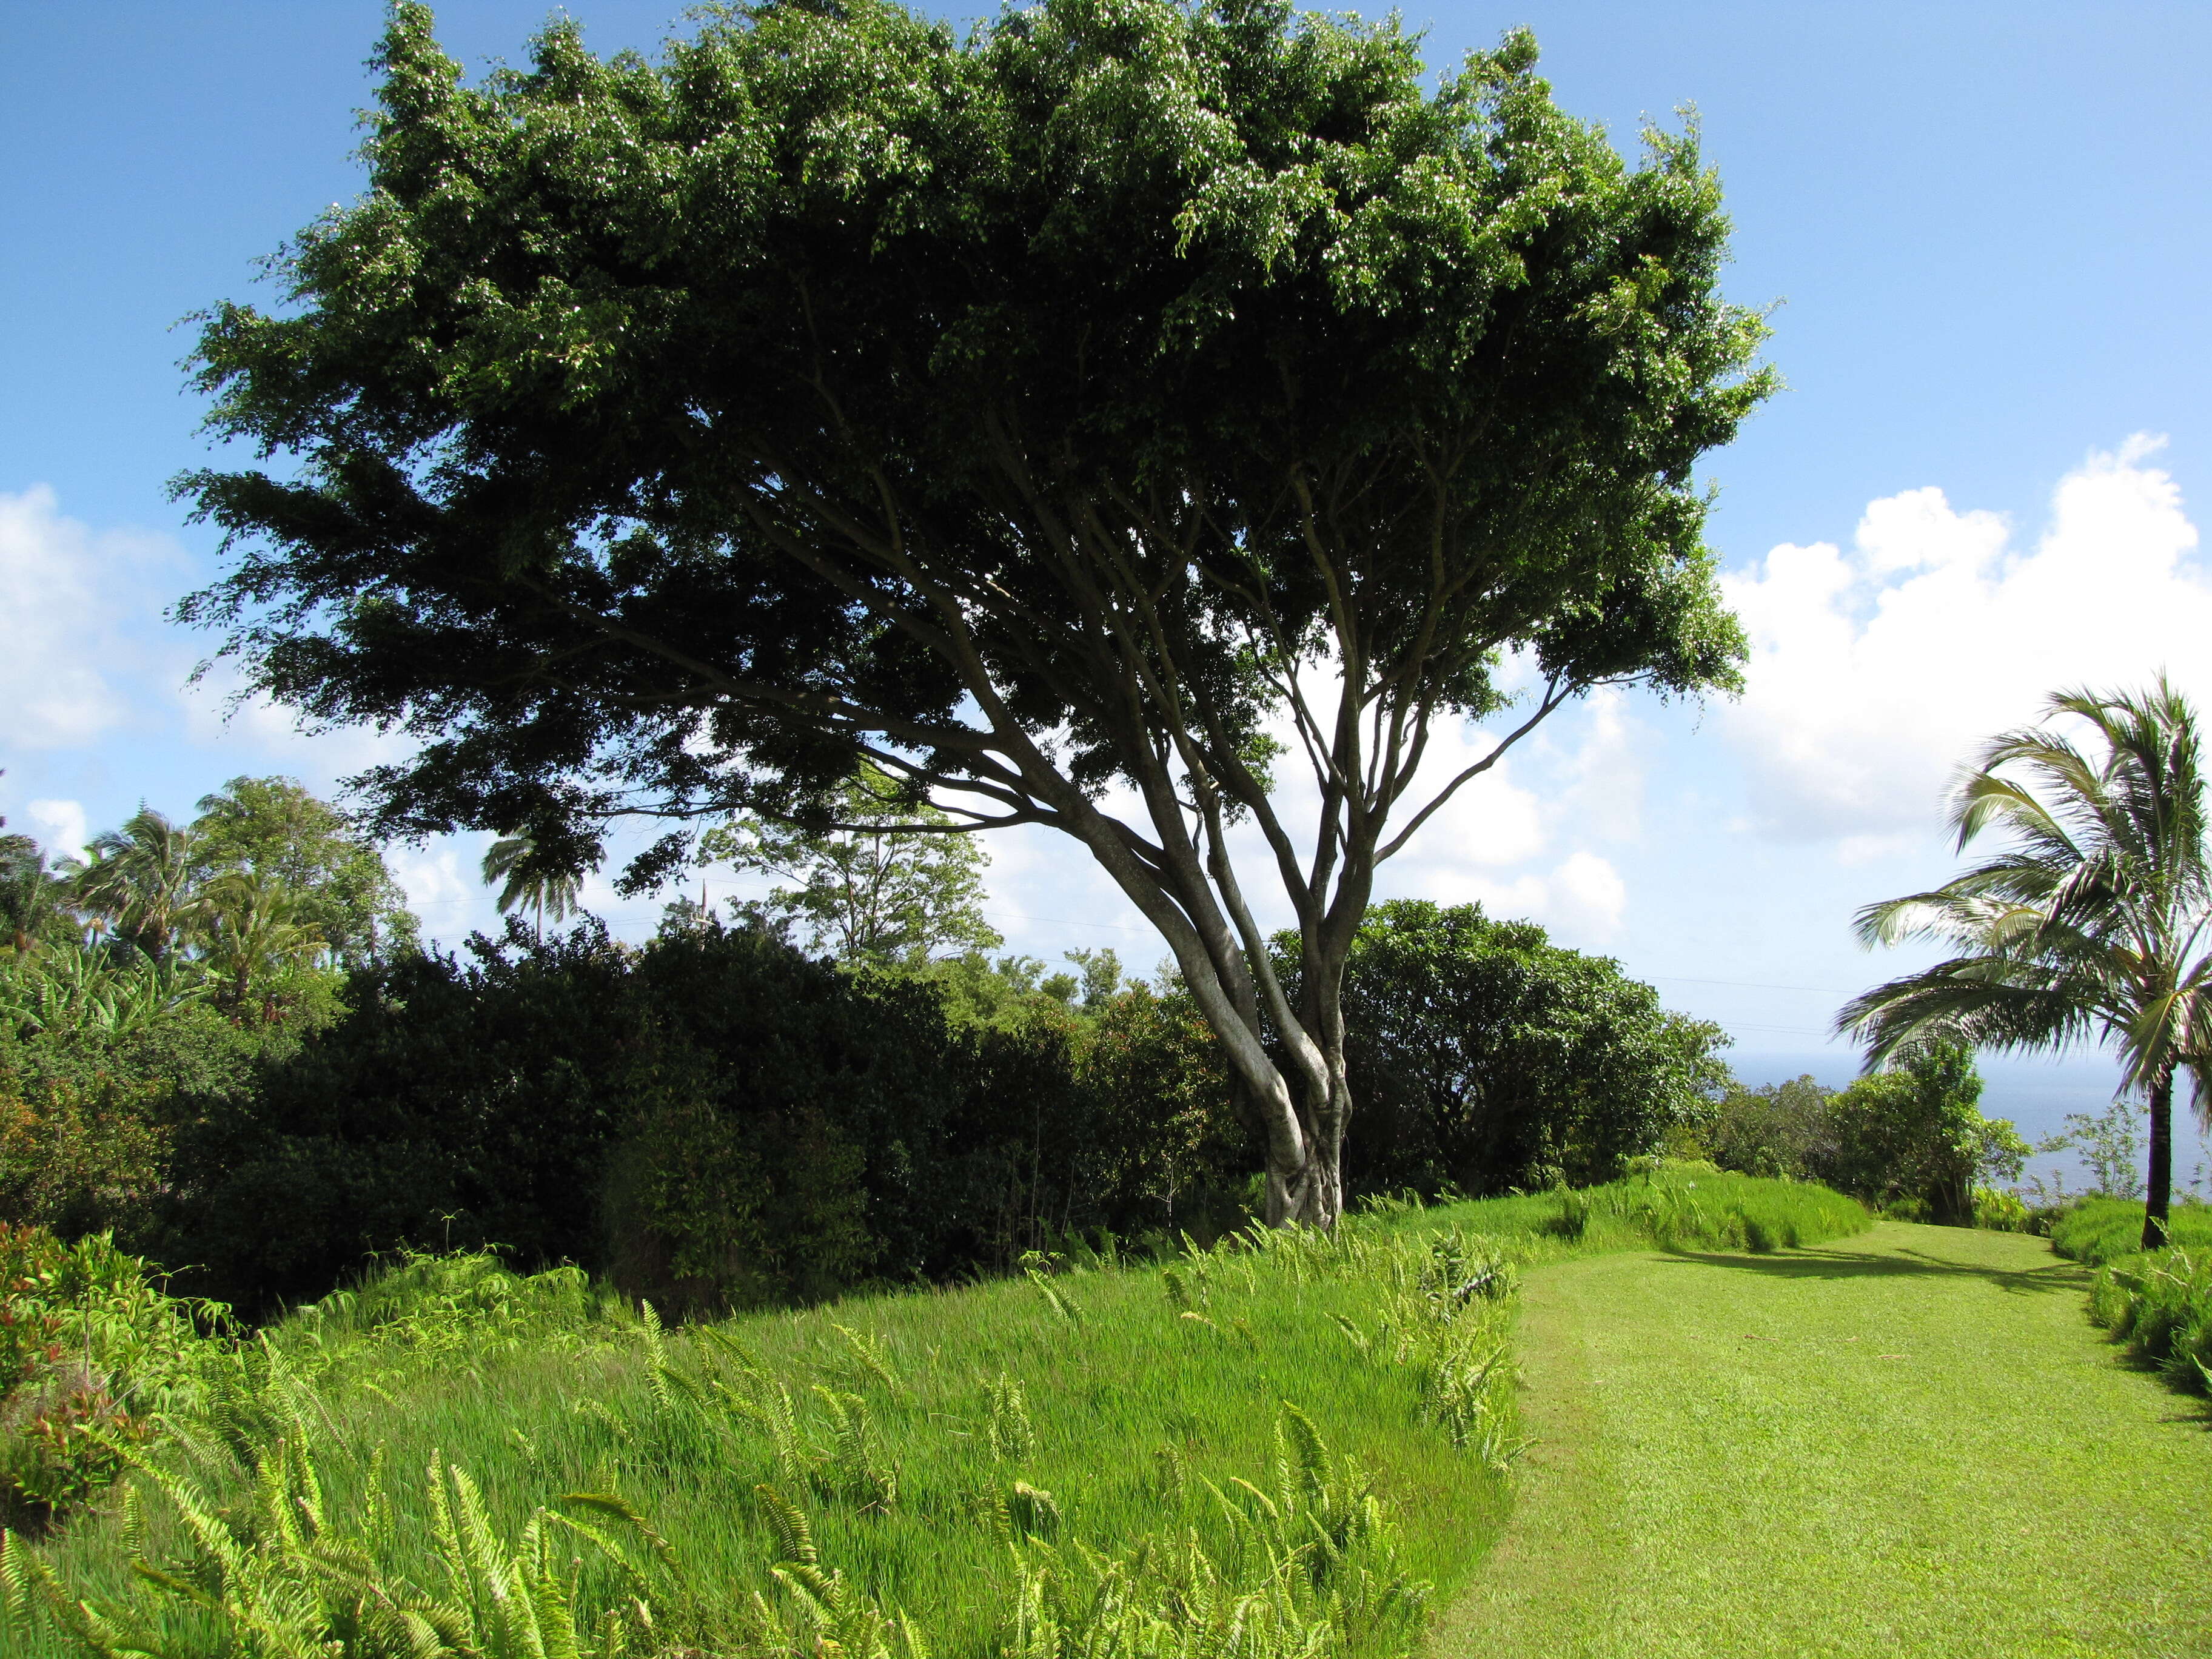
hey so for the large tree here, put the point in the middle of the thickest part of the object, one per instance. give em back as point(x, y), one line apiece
point(272, 830)
point(1067, 418)
point(2092, 924)
point(876, 889)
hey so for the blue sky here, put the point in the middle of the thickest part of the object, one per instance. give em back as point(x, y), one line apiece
point(1985, 228)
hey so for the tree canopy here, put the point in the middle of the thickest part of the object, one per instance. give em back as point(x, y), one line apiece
point(1070, 419)
point(893, 885)
point(1487, 1058)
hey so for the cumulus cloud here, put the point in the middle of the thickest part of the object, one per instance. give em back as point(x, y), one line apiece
point(65, 592)
point(1876, 670)
point(60, 825)
point(1584, 896)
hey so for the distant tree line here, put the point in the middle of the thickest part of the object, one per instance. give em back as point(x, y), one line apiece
point(832, 1085)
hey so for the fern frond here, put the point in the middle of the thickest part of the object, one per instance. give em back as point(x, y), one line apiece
point(795, 1539)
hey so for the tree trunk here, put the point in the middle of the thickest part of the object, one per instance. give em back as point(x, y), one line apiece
point(2161, 1162)
point(1311, 1193)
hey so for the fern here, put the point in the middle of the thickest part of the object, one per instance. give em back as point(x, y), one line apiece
point(1068, 1311)
point(794, 1540)
point(868, 1354)
point(1031, 1511)
point(1009, 1432)
point(853, 1468)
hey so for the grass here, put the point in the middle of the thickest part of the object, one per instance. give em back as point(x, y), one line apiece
point(1300, 1437)
point(1910, 1443)
point(2096, 1230)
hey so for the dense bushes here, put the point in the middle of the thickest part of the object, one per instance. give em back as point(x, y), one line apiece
point(715, 1118)
point(2160, 1304)
point(87, 1108)
point(1484, 1058)
point(1911, 1141)
point(91, 1348)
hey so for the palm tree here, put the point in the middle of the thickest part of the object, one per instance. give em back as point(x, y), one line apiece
point(30, 894)
point(2091, 925)
point(140, 879)
point(250, 924)
point(512, 860)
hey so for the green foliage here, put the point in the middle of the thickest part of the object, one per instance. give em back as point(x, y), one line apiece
point(714, 1119)
point(2110, 1143)
point(2097, 1230)
point(2001, 1210)
point(91, 1350)
point(882, 877)
point(514, 864)
point(283, 1579)
point(274, 832)
point(2092, 924)
point(1911, 1136)
point(33, 897)
point(2160, 1304)
point(208, 946)
point(89, 1103)
point(267, 883)
point(1022, 411)
point(964, 1472)
point(65, 990)
point(1483, 1057)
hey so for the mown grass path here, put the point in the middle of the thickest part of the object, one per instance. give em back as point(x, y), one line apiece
point(1911, 1441)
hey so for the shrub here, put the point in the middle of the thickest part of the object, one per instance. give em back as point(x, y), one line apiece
point(87, 1111)
point(2097, 1230)
point(1484, 1058)
point(91, 1348)
point(715, 1120)
point(2001, 1210)
point(2160, 1304)
point(1911, 1141)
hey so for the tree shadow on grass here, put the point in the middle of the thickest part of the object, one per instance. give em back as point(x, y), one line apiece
point(1830, 1262)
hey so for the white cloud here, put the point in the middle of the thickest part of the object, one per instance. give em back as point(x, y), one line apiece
point(63, 592)
point(448, 898)
point(62, 829)
point(1588, 894)
point(1875, 672)
point(1605, 797)
point(1584, 896)
point(215, 717)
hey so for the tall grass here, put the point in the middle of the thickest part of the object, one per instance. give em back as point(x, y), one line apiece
point(2097, 1230)
point(2160, 1304)
point(1288, 1444)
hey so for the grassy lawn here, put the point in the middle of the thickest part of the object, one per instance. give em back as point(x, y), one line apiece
point(951, 1450)
point(1909, 1442)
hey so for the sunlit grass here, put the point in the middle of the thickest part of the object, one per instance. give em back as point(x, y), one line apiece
point(2096, 1230)
point(1144, 1391)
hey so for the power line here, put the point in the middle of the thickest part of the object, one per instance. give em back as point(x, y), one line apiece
point(1750, 985)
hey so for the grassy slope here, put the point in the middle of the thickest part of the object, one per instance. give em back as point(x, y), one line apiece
point(2097, 1230)
point(1106, 1396)
point(1910, 1443)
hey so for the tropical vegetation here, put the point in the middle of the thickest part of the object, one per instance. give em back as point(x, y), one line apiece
point(1075, 419)
point(2095, 922)
point(1061, 1462)
point(1910, 1141)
